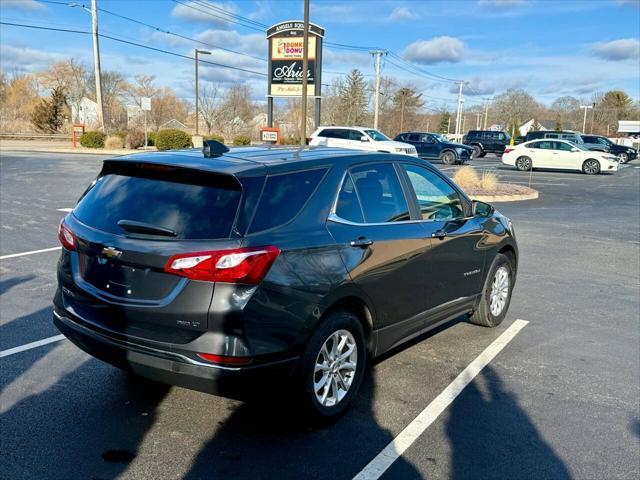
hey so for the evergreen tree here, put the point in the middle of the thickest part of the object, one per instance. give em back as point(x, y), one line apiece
point(558, 127)
point(354, 99)
point(443, 125)
point(48, 116)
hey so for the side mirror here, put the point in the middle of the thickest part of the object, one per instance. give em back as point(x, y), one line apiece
point(364, 138)
point(481, 209)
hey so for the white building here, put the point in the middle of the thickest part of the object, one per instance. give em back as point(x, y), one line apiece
point(86, 112)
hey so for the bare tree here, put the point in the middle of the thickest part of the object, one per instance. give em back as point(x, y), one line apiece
point(72, 76)
point(142, 86)
point(515, 106)
point(165, 106)
point(210, 106)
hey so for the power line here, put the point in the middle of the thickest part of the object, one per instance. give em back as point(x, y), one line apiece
point(148, 47)
point(225, 18)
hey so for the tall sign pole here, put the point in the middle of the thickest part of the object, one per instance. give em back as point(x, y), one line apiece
point(459, 112)
point(376, 105)
point(305, 74)
point(96, 64)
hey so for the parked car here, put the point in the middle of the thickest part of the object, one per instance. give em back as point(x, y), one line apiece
point(228, 273)
point(572, 137)
point(359, 138)
point(486, 141)
point(434, 146)
point(598, 142)
point(558, 154)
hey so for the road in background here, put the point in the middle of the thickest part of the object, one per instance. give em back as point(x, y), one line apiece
point(560, 401)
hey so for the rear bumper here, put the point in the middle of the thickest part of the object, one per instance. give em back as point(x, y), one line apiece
point(175, 369)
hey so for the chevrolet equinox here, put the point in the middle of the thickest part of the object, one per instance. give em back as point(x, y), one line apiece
point(226, 270)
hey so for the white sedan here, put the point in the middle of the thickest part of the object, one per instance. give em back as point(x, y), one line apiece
point(558, 154)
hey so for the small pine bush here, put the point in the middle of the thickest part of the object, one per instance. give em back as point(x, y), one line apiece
point(93, 140)
point(172, 138)
point(113, 142)
point(242, 140)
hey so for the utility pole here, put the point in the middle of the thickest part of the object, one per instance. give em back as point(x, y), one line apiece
point(478, 115)
point(449, 125)
point(305, 77)
point(593, 116)
point(403, 93)
point(378, 55)
point(486, 114)
point(464, 120)
point(203, 52)
point(459, 112)
point(96, 64)
point(584, 121)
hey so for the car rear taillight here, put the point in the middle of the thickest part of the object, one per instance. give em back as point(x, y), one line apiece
point(507, 149)
point(225, 359)
point(66, 236)
point(240, 265)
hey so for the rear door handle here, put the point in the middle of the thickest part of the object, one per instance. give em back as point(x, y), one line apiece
point(361, 242)
point(439, 234)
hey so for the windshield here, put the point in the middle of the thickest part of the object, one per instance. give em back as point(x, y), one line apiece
point(376, 135)
point(440, 137)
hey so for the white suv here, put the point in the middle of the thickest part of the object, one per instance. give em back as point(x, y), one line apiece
point(359, 138)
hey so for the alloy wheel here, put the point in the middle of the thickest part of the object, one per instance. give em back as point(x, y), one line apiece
point(523, 163)
point(499, 291)
point(623, 157)
point(591, 167)
point(448, 158)
point(335, 368)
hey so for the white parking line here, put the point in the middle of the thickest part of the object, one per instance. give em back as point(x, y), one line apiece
point(29, 346)
point(66, 210)
point(32, 252)
point(410, 434)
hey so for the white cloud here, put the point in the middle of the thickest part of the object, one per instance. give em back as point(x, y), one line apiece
point(616, 50)
point(402, 13)
point(22, 59)
point(253, 44)
point(31, 5)
point(204, 12)
point(436, 50)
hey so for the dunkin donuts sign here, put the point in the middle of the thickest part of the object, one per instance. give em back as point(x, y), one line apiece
point(286, 51)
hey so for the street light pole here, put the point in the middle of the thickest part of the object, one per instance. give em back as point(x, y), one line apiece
point(305, 74)
point(378, 54)
point(96, 63)
point(203, 52)
point(584, 121)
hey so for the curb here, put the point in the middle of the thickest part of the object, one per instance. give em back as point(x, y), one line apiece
point(69, 150)
point(506, 198)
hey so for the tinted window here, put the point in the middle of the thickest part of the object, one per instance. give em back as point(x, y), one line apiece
point(414, 137)
point(348, 206)
point(283, 197)
point(334, 133)
point(563, 146)
point(380, 193)
point(436, 198)
point(500, 136)
point(551, 135)
point(355, 135)
point(192, 211)
point(590, 139)
point(545, 145)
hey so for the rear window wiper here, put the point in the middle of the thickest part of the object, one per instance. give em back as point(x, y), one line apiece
point(141, 227)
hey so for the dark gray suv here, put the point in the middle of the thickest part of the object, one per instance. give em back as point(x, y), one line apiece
point(232, 270)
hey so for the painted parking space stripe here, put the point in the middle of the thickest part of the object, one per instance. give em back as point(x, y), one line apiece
point(32, 252)
point(66, 210)
point(417, 427)
point(29, 346)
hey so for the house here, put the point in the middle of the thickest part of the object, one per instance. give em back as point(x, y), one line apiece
point(543, 125)
point(85, 112)
point(630, 127)
point(173, 123)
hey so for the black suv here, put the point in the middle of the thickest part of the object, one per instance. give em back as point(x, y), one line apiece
point(228, 271)
point(598, 142)
point(486, 141)
point(436, 146)
point(562, 135)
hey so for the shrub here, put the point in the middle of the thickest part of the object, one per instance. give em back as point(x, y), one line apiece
point(242, 140)
point(489, 181)
point(172, 138)
point(151, 138)
point(214, 136)
point(290, 140)
point(120, 133)
point(134, 139)
point(113, 142)
point(93, 140)
point(466, 178)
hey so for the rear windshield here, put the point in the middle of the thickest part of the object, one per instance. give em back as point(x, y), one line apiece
point(192, 211)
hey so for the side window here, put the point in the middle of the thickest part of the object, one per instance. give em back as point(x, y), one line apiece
point(355, 135)
point(551, 135)
point(501, 136)
point(546, 145)
point(437, 199)
point(562, 146)
point(601, 141)
point(380, 193)
point(414, 137)
point(341, 133)
point(348, 206)
point(326, 133)
point(283, 197)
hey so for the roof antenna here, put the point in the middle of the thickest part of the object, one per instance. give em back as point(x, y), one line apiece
point(213, 149)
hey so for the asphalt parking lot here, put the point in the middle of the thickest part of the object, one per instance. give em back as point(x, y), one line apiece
point(559, 400)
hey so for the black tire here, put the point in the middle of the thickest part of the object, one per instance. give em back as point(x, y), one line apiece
point(448, 157)
point(591, 166)
point(477, 152)
point(523, 164)
point(483, 314)
point(333, 322)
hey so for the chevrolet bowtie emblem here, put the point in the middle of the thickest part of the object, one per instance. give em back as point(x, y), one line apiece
point(111, 252)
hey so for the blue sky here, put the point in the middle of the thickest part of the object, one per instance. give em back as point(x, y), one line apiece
point(548, 47)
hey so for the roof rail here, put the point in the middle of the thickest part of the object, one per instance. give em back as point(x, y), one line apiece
point(213, 149)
